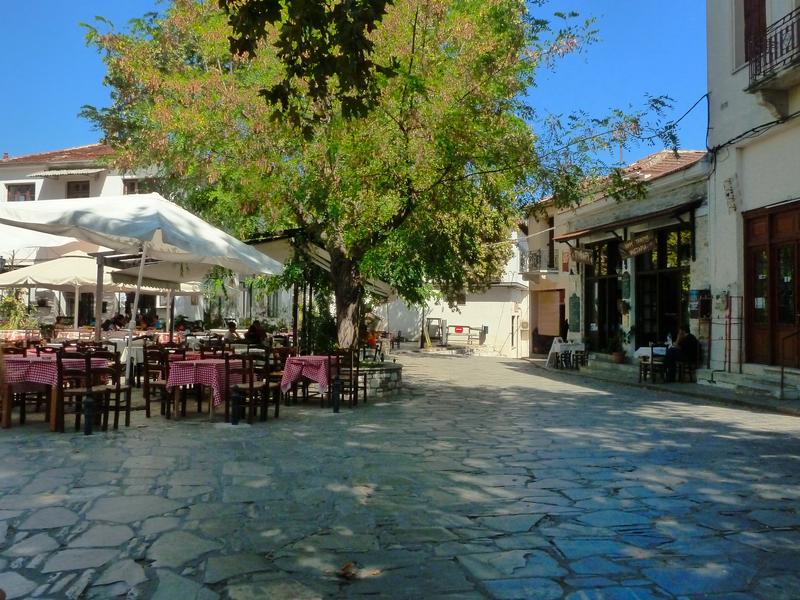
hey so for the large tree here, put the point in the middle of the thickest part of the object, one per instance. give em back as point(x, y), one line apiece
point(420, 190)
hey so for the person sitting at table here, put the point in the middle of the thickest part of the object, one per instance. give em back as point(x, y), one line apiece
point(255, 334)
point(685, 349)
point(107, 325)
point(231, 335)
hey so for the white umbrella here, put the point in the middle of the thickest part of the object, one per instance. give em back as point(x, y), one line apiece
point(125, 223)
point(77, 272)
point(147, 222)
point(22, 245)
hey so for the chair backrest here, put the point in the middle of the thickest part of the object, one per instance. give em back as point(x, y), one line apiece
point(156, 365)
point(73, 376)
point(241, 366)
point(281, 354)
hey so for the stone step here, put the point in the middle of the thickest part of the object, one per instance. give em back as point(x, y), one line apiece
point(765, 384)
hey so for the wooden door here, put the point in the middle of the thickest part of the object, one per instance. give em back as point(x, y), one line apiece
point(759, 348)
point(786, 340)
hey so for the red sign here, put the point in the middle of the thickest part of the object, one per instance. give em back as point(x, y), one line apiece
point(459, 329)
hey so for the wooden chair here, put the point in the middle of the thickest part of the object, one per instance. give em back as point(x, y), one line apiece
point(652, 366)
point(112, 377)
point(280, 354)
point(353, 381)
point(156, 374)
point(75, 383)
point(249, 390)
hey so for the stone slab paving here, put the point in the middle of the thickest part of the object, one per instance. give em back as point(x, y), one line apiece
point(484, 479)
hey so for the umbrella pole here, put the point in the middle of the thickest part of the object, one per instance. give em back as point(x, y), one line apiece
point(170, 312)
point(135, 310)
point(75, 309)
point(98, 298)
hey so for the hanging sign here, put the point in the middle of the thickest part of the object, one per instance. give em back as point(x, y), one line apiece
point(641, 244)
point(574, 313)
point(625, 284)
point(582, 255)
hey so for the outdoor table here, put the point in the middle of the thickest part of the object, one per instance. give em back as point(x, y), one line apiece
point(207, 371)
point(644, 351)
point(313, 367)
point(41, 370)
point(560, 346)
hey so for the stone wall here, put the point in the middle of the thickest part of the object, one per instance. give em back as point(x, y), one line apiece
point(383, 379)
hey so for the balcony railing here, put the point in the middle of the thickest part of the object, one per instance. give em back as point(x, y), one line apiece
point(778, 49)
point(537, 261)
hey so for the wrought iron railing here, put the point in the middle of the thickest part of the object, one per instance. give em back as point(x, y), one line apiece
point(537, 260)
point(777, 49)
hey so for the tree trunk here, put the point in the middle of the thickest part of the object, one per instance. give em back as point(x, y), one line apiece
point(348, 292)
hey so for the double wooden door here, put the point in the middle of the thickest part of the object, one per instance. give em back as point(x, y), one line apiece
point(772, 270)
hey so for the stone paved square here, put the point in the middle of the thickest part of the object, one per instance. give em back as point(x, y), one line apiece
point(484, 478)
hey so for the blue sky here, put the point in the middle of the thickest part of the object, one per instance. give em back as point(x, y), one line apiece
point(646, 46)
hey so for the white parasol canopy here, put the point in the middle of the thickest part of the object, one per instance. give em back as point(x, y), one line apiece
point(138, 222)
point(22, 245)
point(129, 223)
point(78, 270)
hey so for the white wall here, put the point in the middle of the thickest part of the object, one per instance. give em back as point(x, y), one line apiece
point(752, 173)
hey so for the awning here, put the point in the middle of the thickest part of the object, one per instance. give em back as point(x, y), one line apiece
point(672, 211)
point(60, 172)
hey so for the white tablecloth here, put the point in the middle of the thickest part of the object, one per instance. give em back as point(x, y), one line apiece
point(644, 351)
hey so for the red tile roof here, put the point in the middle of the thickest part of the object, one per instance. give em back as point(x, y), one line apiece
point(92, 152)
point(663, 163)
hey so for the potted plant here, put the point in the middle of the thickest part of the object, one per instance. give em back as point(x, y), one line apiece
point(618, 342)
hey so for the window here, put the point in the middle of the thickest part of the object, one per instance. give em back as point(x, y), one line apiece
point(77, 189)
point(751, 27)
point(272, 304)
point(138, 186)
point(21, 192)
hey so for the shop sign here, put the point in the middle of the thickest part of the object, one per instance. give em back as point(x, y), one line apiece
point(582, 255)
point(625, 283)
point(641, 244)
point(574, 313)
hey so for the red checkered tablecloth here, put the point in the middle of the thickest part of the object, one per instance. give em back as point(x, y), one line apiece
point(180, 357)
point(209, 372)
point(43, 370)
point(315, 368)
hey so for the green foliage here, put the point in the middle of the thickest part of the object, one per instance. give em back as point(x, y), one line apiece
point(325, 47)
point(419, 185)
point(15, 314)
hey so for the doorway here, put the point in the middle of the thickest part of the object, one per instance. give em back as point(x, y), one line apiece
point(772, 265)
point(603, 295)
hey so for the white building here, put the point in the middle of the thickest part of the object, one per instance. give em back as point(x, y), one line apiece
point(627, 273)
point(493, 322)
point(754, 187)
point(84, 172)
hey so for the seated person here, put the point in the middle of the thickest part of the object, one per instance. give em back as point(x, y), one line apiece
point(685, 349)
point(107, 325)
point(231, 334)
point(255, 334)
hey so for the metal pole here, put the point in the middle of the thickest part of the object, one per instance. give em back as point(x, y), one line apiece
point(75, 310)
point(132, 323)
point(98, 298)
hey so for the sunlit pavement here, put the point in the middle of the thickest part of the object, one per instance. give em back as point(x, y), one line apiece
point(483, 480)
